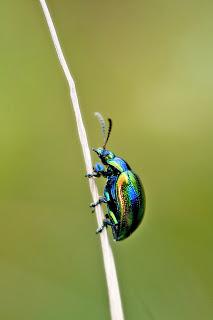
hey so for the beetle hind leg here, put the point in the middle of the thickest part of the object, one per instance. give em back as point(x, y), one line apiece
point(106, 223)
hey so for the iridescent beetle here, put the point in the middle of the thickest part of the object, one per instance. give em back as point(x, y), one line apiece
point(123, 193)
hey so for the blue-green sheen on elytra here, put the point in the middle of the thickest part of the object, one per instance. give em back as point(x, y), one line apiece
point(123, 193)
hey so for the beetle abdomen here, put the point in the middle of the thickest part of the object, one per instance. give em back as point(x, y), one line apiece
point(131, 203)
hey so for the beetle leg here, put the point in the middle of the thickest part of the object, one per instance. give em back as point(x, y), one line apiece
point(96, 174)
point(106, 222)
point(114, 224)
point(100, 200)
point(91, 175)
point(98, 171)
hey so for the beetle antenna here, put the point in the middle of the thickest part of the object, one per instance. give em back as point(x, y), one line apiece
point(102, 123)
point(108, 134)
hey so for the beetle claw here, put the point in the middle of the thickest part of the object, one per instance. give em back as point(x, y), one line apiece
point(92, 205)
point(99, 230)
point(89, 175)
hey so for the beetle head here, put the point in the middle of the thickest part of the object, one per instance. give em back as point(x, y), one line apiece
point(104, 155)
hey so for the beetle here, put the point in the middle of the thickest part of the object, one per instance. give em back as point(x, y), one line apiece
point(123, 194)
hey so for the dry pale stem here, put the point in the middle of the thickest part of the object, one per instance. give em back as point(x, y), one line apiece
point(109, 264)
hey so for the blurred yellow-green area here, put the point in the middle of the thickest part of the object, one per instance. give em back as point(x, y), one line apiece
point(147, 65)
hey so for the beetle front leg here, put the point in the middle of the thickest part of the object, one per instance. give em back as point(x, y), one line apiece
point(98, 171)
point(91, 175)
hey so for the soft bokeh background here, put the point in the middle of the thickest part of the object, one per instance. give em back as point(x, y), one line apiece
point(148, 65)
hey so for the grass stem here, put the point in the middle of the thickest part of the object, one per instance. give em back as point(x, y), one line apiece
point(109, 264)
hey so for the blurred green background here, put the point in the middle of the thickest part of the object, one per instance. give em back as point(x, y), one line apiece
point(147, 65)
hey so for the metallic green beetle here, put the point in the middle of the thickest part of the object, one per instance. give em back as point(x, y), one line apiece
point(123, 193)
